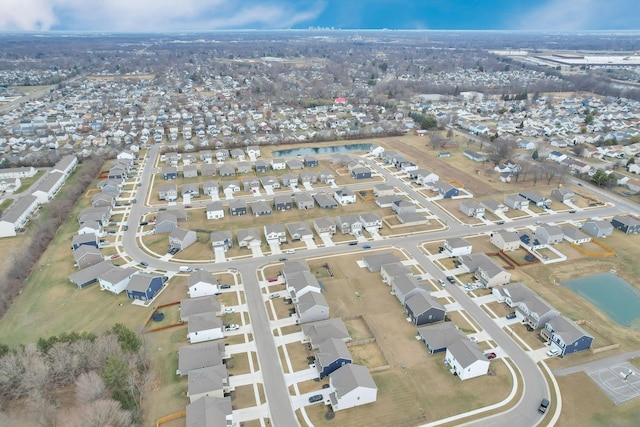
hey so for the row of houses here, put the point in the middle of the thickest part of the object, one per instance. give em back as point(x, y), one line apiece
point(464, 357)
point(16, 216)
point(537, 314)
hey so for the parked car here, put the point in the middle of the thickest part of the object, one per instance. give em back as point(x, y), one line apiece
point(116, 256)
point(491, 355)
point(500, 222)
point(229, 310)
point(282, 259)
point(290, 251)
point(272, 279)
point(353, 243)
point(441, 282)
point(232, 327)
point(511, 315)
point(544, 405)
point(188, 206)
point(126, 228)
point(162, 209)
point(572, 211)
point(143, 223)
point(553, 352)
point(144, 263)
point(366, 246)
point(451, 279)
point(315, 398)
point(225, 286)
point(274, 295)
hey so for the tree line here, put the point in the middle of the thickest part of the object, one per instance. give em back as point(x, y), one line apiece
point(107, 374)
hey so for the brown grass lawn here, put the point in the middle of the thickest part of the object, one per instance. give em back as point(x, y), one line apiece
point(358, 329)
point(312, 385)
point(532, 339)
point(298, 354)
point(461, 322)
point(368, 355)
point(243, 397)
point(585, 404)
point(239, 364)
point(501, 310)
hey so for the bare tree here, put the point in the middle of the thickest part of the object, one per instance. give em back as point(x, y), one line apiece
point(90, 387)
point(105, 412)
point(501, 150)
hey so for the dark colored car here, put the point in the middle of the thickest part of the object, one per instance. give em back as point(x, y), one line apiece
point(282, 259)
point(225, 286)
point(544, 405)
point(451, 279)
point(315, 398)
point(353, 243)
point(162, 209)
point(126, 228)
point(511, 315)
point(366, 246)
point(144, 263)
point(144, 223)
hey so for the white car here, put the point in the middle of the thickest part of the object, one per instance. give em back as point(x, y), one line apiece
point(229, 310)
point(274, 296)
point(232, 327)
point(553, 352)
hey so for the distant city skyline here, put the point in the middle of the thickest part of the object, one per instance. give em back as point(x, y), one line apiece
point(204, 15)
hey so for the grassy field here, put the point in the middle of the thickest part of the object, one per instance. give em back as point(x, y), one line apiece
point(26, 183)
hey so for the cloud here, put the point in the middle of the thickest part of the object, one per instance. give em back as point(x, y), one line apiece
point(571, 15)
point(155, 15)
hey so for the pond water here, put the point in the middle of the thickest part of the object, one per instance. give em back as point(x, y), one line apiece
point(322, 150)
point(617, 298)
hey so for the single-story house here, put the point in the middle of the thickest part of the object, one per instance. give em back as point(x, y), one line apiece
point(597, 228)
point(181, 239)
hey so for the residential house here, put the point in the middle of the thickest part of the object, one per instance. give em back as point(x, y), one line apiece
point(253, 151)
point(208, 170)
point(360, 172)
point(144, 286)
point(383, 189)
point(549, 234)
point(440, 336)
point(566, 336)
point(237, 207)
point(16, 216)
point(466, 359)
point(210, 188)
point(192, 306)
point(575, 236)
point(116, 279)
point(424, 176)
point(89, 275)
point(202, 283)
point(331, 355)
point(389, 272)
point(421, 308)
point(472, 208)
point(191, 190)
point(86, 256)
point(169, 172)
point(237, 153)
point(626, 224)
point(278, 164)
point(344, 196)
point(563, 194)
point(168, 192)
point(300, 231)
point(311, 307)
point(374, 262)
point(597, 228)
point(91, 227)
point(317, 332)
point(404, 286)
point(244, 167)
point(212, 381)
point(190, 171)
point(294, 164)
point(303, 201)
point(221, 240)
point(282, 203)
point(505, 240)
point(495, 206)
point(326, 177)
point(204, 327)
point(167, 221)
point(46, 189)
point(222, 154)
point(275, 233)
point(324, 227)
point(226, 170)
point(261, 166)
point(531, 309)
point(349, 224)
point(475, 156)
point(486, 270)
point(201, 355)
point(310, 162)
point(403, 207)
point(88, 239)
point(270, 182)
point(536, 198)
point(249, 238)
point(214, 210)
point(457, 246)
point(325, 201)
point(251, 184)
point(516, 201)
point(103, 199)
point(351, 385)
point(444, 189)
point(371, 222)
point(261, 208)
point(181, 239)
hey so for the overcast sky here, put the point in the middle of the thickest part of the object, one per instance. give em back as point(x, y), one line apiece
point(177, 15)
